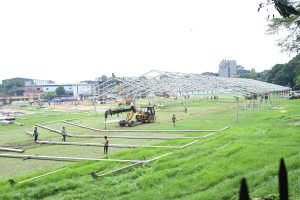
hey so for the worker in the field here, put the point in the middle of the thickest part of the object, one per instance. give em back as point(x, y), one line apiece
point(174, 119)
point(106, 142)
point(35, 134)
point(64, 134)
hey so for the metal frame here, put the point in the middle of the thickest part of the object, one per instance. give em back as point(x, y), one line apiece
point(177, 84)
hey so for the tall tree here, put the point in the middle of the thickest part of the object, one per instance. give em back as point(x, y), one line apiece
point(48, 95)
point(286, 74)
point(288, 25)
point(14, 86)
point(1, 90)
point(60, 91)
point(282, 74)
point(298, 81)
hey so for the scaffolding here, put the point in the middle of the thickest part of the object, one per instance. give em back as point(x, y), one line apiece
point(162, 87)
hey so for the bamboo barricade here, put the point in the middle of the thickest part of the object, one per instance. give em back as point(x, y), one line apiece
point(49, 129)
point(13, 182)
point(134, 137)
point(70, 159)
point(131, 130)
point(12, 150)
point(29, 133)
point(95, 176)
point(102, 145)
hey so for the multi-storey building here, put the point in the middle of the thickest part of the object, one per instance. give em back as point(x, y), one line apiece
point(227, 68)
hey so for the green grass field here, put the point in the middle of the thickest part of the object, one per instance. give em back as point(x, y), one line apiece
point(209, 169)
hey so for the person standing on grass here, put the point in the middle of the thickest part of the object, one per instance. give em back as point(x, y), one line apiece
point(185, 109)
point(173, 120)
point(35, 134)
point(64, 134)
point(106, 142)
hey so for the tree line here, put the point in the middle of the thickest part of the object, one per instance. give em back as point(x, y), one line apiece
point(16, 87)
point(287, 74)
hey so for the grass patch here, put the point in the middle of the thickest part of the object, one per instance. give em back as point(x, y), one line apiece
point(209, 169)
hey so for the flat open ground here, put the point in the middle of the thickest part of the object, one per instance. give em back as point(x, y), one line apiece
point(209, 169)
point(15, 136)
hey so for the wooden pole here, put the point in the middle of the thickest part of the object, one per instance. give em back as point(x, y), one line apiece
point(102, 145)
point(47, 128)
point(133, 137)
point(208, 135)
point(258, 103)
point(130, 130)
point(18, 123)
point(95, 176)
point(12, 182)
point(127, 146)
point(264, 98)
point(237, 108)
point(12, 150)
point(184, 146)
point(245, 106)
point(69, 159)
point(29, 133)
point(252, 103)
point(6, 122)
point(158, 157)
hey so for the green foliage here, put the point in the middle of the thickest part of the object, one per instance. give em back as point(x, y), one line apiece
point(281, 74)
point(210, 169)
point(280, 78)
point(48, 95)
point(1, 90)
point(14, 86)
point(289, 27)
point(285, 74)
point(298, 81)
point(210, 74)
point(261, 76)
point(60, 91)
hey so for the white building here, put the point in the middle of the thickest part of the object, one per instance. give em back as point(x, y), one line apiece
point(76, 89)
point(227, 68)
point(30, 82)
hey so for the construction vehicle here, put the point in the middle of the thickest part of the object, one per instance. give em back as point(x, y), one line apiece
point(134, 116)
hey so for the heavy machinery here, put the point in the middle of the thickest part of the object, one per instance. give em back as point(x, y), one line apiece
point(134, 116)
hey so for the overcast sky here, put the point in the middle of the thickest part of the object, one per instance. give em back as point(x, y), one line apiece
point(70, 41)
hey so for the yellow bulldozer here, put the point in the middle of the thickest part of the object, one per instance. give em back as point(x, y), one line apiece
point(134, 116)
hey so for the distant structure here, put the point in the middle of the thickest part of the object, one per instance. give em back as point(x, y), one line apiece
point(20, 84)
point(241, 71)
point(227, 68)
point(78, 90)
point(210, 74)
point(103, 83)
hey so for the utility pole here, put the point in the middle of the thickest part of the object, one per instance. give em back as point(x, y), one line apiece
point(237, 99)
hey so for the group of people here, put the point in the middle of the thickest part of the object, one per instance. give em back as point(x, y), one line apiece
point(63, 133)
point(105, 142)
point(174, 119)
